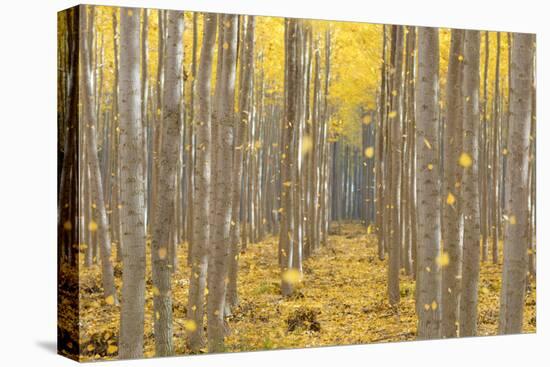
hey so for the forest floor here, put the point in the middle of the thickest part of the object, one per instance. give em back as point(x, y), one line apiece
point(341, 300)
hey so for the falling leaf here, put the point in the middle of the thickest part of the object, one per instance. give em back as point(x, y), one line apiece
point(287, 183)
point(512, 219)
point(427, 307)
point(225, 45)
point(367, 119)
point(465, 160)
point(370, 229)
point(427, 143)
point(307, 144)
point(92, 226)
point(442, 259)
point(369, 152)
point(292, 276)
point(190, 325)
point(430, 166)
point(460, 58)
point(434, 305)
point(450, 199)
point(156, 291)
point(392, 114)
point(67, 225)
point(162, 253)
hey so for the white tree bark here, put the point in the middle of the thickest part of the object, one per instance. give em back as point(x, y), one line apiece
point(90, 124)
point(516, 236)
point(472, 231)
point(222, 166)
point(452, 200)
point(132, 188)
point(163, 210)
point(428, 284)
point(201, 185)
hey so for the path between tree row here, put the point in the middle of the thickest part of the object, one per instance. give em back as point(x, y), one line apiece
point(342, 300)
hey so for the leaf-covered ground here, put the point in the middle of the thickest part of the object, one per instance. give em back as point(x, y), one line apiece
point(341, 300)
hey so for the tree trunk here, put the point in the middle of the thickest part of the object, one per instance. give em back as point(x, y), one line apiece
point(241, 129)
point(470, 263)
point(516, 234)
point(428, 288)
point(102, 226)
point(395, 121)
point(222, 138)
point(132, 189)
point(201, 186)
point(163, 208)
point(450, 257)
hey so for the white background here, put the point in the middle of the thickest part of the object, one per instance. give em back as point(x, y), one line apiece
point(28, 181)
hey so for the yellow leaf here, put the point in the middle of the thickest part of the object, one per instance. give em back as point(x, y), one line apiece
point(156, 291)
point(225, 45)
point(370, 229)
point(430, 166)
point(162, 253)
point(307, 144)
point(92, 226)
point(367, 119)
point(460, 58)
point(465, 160)
point(110, 300)
point(67, 225)
point(190, 325)
point(369, 152)
point(90, 347)
point(426, 307)
point(287, 183)
point(442, 259)
point(392, 114)
point(512, 220)
point(434, 305)
point(450, 199)
point(427, 143)
point(292, 276)
point(112, 349)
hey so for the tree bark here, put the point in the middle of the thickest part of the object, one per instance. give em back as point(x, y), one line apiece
point(163, 208)
point(132, 188)
point(201, 186)
point(222, 138)
point(450, 258)
point(428, 286)
point(516, 234)
point(471, 256)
